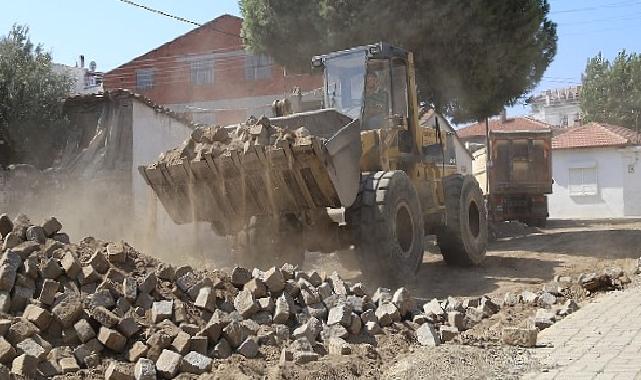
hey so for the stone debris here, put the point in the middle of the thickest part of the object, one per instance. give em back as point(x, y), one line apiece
point(426, 335)
point(195, 363)
point(338, 346)
point(114, 310)
point(523, 337)
point(168, 364)
point(448, 333)
point(611, 279)
point(544, 319)
point(145, 369)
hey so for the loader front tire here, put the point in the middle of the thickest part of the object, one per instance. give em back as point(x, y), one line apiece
point(463, 241)
point(388, 226)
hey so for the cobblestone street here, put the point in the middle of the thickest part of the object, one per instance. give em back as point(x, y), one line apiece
point(600, 341)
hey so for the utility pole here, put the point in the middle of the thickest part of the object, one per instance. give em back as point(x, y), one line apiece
point(636, 124)
point(488, 157)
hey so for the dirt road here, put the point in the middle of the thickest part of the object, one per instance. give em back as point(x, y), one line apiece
point(524, 259)
point(521, 258)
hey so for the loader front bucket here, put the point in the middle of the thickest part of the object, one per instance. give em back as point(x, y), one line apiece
point(260, 180)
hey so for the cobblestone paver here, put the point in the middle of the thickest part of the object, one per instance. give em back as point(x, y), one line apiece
point(600, 341)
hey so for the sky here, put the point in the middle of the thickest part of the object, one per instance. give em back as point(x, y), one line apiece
point(112, 32)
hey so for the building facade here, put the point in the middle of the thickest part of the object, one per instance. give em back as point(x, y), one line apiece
point(455, 152)
point(559, 107)
point(597, 173)
point(208, 74)
point(86, 80)
point(473, 136)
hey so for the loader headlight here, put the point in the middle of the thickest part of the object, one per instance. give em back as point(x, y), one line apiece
point(317, 62)
point(374, 50)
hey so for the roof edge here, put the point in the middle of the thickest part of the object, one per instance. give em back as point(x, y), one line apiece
point(168, 43)
point(139, 97)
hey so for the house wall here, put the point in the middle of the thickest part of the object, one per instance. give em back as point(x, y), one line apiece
point(632, 181)
point(461, 155)
point(463, 158)
point(172, 75)
point(479, 168)
point(152, 228)
point(609, 200)
point(558, 114)
point(153, 134)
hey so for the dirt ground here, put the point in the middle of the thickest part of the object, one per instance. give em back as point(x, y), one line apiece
point(522, 258)
point(525, 260)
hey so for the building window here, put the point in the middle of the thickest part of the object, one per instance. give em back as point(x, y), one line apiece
point(144, 79)
point(583, 181)
point(202, 73)
point(258, 67)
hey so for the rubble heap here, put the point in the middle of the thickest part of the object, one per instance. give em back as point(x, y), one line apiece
point(217, 140)
point(102, 307)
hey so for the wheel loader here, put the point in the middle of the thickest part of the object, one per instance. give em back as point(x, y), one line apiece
point(355, 175)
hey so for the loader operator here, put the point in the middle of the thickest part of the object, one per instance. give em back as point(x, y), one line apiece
point(376, 102)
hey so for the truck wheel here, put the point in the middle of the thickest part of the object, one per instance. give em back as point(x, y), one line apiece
point(261, 245)
point(463, 241)
point(388, 226)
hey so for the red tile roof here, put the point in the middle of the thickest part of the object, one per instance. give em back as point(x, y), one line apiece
point(513, 124)
point(595, 135)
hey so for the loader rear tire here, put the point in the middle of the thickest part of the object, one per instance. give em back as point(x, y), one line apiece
point(388, 225)
point(262, 246)
point(463, 242)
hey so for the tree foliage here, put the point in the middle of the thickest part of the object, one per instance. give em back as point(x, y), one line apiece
point(611, 91)
point(31, 115)
point(472, 57)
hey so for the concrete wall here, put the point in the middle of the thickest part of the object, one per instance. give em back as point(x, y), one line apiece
point(479, 168)
point(616, 186)
point(153, 230)
point(461, 155)
point(632, 181)
point(463, 158)
point(153, 133)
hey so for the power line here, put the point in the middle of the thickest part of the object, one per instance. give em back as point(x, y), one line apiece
point(156, 11)
point(178, 18)
point(583, 23)
point(597, 7)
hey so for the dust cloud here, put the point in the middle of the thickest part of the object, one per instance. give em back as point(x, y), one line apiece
point(104, 209)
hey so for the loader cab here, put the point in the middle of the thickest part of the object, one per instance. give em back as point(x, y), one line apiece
point(369, 83)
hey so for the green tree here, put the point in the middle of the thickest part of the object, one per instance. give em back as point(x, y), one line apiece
point(472, 57)
point(611, 91)
point(31, 116)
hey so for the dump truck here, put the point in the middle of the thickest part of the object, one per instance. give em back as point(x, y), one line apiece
point(276, 185)
point(520, 176)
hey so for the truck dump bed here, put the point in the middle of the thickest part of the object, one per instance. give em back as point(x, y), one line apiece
point(521, 162)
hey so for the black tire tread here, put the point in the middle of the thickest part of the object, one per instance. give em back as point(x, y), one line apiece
point(371, 230)
point(449, 238)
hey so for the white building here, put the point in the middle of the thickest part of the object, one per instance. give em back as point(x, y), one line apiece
point(559, 107)
point(455, 152)
point(597, 173)
point(85, 80)
point(95, 187)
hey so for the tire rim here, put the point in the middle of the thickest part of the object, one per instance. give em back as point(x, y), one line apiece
point(474, 221)
point(404, 229)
